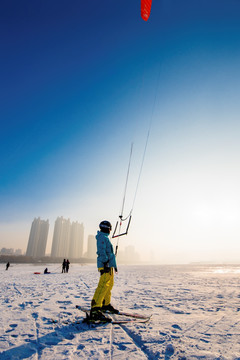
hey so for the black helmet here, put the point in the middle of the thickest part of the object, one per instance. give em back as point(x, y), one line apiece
point(105, 226)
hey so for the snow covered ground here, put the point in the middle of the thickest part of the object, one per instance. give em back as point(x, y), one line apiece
point(195, 313)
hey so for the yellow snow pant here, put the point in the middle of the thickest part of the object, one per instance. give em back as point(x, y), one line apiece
point(102, 295)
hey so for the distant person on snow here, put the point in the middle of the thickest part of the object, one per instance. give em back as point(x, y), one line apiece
point(7, 266)
point(67, 265)
point(106, 263)
point(46, 271)
point(64, 266)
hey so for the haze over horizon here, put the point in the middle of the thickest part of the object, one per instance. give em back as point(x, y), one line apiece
point(81, 81)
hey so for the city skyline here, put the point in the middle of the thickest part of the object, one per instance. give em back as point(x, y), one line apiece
point(67, 242)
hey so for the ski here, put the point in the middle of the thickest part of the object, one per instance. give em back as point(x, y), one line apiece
point(100, 322)
point(113, 321)
point(134, 316)
point(117, 322)
point(130, 321)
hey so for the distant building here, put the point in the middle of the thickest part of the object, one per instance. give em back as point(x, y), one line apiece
point(18, 252)
point(38, 238)
point(67, 239)
point(5, 251)
point(128, 255)
point(91, 247)
point(11, 251)
point(76, 241)
point(131, 255)
point(61, 237)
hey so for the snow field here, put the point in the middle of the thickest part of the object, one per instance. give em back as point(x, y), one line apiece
point(195, 313)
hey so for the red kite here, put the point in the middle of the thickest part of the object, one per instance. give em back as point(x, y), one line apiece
point(145, 9)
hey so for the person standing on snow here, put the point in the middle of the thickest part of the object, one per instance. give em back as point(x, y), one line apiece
point(106, 263)
point(67, 265)
point(64, 266)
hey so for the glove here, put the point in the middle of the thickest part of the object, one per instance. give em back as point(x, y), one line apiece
point(116, 270)
point(106, 267)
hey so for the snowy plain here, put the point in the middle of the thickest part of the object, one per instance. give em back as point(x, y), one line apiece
point(195, 313)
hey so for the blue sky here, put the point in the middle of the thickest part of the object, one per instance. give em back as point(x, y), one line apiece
point(78, 83)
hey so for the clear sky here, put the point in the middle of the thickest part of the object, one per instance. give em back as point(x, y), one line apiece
point(81, 81)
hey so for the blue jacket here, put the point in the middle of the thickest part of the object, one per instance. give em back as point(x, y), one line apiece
point(105, 251)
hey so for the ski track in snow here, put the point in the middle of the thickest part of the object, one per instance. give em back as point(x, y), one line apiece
point(195, 313)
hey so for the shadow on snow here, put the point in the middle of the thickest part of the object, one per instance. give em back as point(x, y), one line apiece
point(53, 338)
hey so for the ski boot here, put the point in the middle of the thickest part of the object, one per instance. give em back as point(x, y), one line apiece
point(109, 309)
point(96, 316)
